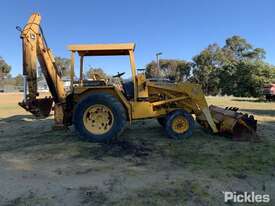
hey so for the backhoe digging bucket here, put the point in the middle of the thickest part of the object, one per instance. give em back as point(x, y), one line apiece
point(231, 122)
point(38, 107)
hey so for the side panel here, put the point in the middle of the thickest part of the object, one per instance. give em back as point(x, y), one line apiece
point(142, 110)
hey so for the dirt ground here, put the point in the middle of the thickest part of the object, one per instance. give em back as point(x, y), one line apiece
point(41, 166)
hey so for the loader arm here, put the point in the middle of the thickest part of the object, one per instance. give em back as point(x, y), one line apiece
point(35, 49)
point(186, 95)
point(190, 97)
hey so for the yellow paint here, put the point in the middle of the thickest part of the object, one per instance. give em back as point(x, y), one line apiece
point(142, 89)
point(172, 100)
point(80, 92)
point(134, 73)
point(142, 110)
point(98, 119)
point(180, 124)
point(58, 114)
point(103, 49)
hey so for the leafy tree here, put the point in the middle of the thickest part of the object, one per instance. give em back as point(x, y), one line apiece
point(172, 69)
point(226, 76)
point(206, 68)
point(4, 69)
point(183, 70)
point(246, 72)
point(96, 73)
point(168, 69)
point(63, 65)
point(238, 48)
point(19, 81)
point(250, 78)
point(152, 70)
point(235, 69)
point(272, 78)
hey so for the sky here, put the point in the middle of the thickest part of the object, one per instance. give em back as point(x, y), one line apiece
point(178, 28)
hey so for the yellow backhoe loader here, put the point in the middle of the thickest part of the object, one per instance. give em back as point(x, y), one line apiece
point(100, 111)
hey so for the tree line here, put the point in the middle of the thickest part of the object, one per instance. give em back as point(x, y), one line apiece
point(236, 68)
point(5, 69)
point(63, 65)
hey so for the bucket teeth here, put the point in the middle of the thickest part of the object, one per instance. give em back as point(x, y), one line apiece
point(38, 107)
point(232, 108)
point(241, 127)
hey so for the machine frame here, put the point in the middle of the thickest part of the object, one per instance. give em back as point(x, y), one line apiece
point(140, 107)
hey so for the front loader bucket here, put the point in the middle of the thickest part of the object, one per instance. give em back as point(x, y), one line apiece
point(236, 124)
point(38, 107)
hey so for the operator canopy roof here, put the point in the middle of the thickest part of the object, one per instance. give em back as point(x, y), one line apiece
point(102, 49)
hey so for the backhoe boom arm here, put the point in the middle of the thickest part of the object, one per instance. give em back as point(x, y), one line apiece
point(35, 49)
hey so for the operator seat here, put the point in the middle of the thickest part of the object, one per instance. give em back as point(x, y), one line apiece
point(128, 88)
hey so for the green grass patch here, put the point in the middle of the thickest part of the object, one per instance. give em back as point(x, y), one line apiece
point(219, 155)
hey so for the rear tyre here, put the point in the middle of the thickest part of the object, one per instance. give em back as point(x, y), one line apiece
point(99, 117)
point(179, 124)
point(162, 121)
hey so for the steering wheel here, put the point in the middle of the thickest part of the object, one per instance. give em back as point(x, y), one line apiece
point(119, 75)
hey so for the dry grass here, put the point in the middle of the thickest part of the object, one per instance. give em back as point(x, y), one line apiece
point(263, 111)
point(9, 104)
point(45, 167)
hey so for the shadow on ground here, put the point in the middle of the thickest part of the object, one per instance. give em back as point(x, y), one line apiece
point(25, 133)
point(17, 118)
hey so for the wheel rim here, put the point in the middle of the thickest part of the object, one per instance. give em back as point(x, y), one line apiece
point(180, 124)
point(98, 119)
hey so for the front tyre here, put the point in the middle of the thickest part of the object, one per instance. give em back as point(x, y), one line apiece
point(179, 124)
point(99, 117)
